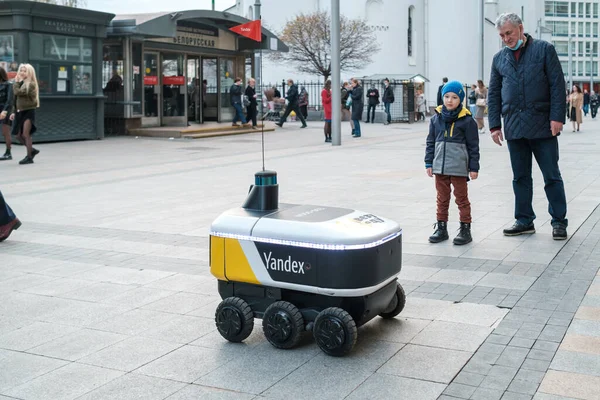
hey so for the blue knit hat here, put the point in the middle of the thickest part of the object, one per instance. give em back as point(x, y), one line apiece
point(454, 87)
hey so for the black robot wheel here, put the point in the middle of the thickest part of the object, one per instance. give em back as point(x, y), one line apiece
point(234, 319)
point(396, 305)
point(283, 324)
point(335, 331)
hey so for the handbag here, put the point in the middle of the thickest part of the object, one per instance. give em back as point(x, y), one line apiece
point(481, 103)
point(246, 101)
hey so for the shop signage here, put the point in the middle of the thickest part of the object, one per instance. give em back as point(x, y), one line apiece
point(223, 42)
point(173, 80)
point(63, 27)
point(151, 80)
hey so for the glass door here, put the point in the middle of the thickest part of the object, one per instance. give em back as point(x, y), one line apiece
point(151, 90)
point(227, 77)
point(194, 90)
point(174, 90)
point(210, 89)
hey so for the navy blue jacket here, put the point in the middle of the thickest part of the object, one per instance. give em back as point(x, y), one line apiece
point(528, 93)
point(452, 149)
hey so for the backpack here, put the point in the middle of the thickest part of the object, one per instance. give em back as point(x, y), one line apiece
point(4, 92)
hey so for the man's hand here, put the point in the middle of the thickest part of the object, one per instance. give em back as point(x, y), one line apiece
point(497, 137)
point(430, 172)
point(474, 175)
point(2, 115)
point(556, 127)
point(12, 117)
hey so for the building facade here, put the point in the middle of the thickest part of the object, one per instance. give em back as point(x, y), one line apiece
point(433, 38)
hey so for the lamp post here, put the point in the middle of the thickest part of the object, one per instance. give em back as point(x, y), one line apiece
point(258, 55)
point(336, 92)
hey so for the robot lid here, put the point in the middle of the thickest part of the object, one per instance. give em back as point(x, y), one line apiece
point(307, 226)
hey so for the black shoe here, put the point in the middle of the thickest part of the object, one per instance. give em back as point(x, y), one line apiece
point(368, 122)
point(464, 235)
point(304, 126)
point(6, 156)
point(559, 233)
point(34, 152)
point(441, 232)
point(356, 135)
point(279, 124)
point(519, 229)
point(26, 160)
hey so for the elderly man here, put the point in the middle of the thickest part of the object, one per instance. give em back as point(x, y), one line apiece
point(527, 88)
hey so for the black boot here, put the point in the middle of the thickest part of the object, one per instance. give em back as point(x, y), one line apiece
point(7, 155)
point(441, 232)
point(464, 235)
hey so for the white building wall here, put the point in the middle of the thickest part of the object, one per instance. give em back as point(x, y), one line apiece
point(445, 35)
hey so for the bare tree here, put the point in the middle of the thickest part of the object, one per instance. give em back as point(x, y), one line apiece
point(309, 39)
point(68, 3)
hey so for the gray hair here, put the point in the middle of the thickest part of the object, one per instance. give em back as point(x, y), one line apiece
point(511, 18)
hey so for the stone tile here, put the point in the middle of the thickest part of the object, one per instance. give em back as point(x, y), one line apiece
point(581, 363)
point(487, 394)
point(522, 386)
point(57, 287)
point(396, 330)
point(381, 386)
point(78, 344)
point(499, 339)
point(499, 377)
point(19, 368)
point(504, 281)
point(541, 355)
point(516, 396)
point(23, 282)
point(426, 363)
point(123, 276)
point(189, 363)
point(546, 346)
point(330, 377)
point(139, 297)
point(460, 391)
point(186, 282)
point(182, 329)
point(521, 342)
point(530, 375)
point(180, 303)
point(536, 365)
point(412, 273)
point(132, 386)
point(581, 344)
point(98, 292)
point(134, 322)
point(457, 277)
point(195, 392)
point(469, 378)
point(585, 328)
point(65, 383)
point(34, 335)
point(473, 314)
point(425, 308)
point(588, 313)
point(571, 385)
point(453, 336)
point(129, 354)
point(254, 372)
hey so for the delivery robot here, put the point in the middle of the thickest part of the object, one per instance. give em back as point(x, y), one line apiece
point(303, 268)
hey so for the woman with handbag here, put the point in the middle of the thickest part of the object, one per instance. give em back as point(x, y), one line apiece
point(251, 103)
point(481, 104)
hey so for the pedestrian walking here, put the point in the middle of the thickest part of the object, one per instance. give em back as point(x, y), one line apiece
point(473, 99)
point(326, 100)
point(593, 104)
point(388, 100)
point(576, 101)
point(357, 106)
point(8, 221)
point(440, 99)
point(303, 102)
point(421, 106)
point(6, 99)
point(292, 98)
point(25, 101)
point(481, 104)
point(346, 114)
point(586, 102)
point(527, 89)
point(452, 156)
point(251, 110)
point(373, 102)
point(235, 97)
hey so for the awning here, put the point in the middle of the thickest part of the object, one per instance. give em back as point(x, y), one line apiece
point(164, 25)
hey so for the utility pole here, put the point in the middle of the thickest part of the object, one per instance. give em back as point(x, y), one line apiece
point(591, 67)
point(336, 91)
point(258, 55)
point(213, 5)
point(481, 37)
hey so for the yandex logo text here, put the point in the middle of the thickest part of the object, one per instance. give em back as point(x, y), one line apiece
point(285, 265)
point(251, 30)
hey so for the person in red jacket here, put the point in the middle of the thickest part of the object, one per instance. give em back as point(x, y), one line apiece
point(326, 98)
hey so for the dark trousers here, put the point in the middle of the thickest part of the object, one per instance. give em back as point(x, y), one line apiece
point(304, 111)
point(545, 152)
point(387, 111)
point(288, 110)
point(239, 114)
point(6, 214)
point(251, 114)
point(594, 110)
point(371, 113)
point(443, 186)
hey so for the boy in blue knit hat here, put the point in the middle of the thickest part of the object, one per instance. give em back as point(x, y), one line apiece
point(452, 155)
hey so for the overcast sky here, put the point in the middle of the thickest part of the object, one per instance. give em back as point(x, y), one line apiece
point(147, 6)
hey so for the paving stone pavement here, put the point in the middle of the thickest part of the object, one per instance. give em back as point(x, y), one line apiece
point(105, 291)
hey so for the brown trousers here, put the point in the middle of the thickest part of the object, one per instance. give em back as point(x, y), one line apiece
point(442, 185)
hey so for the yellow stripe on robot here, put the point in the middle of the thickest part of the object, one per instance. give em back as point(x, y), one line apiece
point(217, 257)
point(237, 267)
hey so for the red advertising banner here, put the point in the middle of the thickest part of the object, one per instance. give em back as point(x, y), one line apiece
point(251, 30)
point(173, 80)
point(151, 80)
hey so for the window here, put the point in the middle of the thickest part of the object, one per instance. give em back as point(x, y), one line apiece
point(580, 47)
point(136, 78)
point(595, 10)
point(565, 66)
point(595, 48)
point(588, 68)
point(174, 88)
point(588, 10)
point(8, 55)
point(559, 28)
point(581, 10)
point(410, 30)
point(595, 29)
point(580, 31)
point(588, 29)
point(580, 68)
point(562, 47)
point(587, 48)
point(573, 9)
point(573, 28)
point(63, 63)
point(595, 68)
point(112, 79)
point(556, 8)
